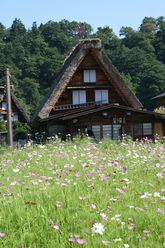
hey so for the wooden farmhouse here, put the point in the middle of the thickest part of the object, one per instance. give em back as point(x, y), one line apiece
point(89, 96)
point(18, 114)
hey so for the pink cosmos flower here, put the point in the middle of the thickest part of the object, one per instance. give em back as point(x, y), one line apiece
point(131, 227)
point(2, 235)
point(93, 206)
point(146, 231)
point(104, 216)
point(77, 175)
point(120, 191)
point(103, 177)
point(142, 238)
point(80, 241)
point(160, 211)
point(105, 242)
point(76, 239)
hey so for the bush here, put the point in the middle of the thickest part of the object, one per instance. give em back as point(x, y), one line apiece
point(20, 130)
point(2, 126)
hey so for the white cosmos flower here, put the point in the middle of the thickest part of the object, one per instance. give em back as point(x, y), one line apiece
point(126, 245)
point(157, 194)
point(98, 228)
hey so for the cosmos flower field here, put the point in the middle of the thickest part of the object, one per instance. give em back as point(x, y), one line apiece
point(83, 194)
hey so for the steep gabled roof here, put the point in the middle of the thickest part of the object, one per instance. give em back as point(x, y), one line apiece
point(16, 102)
point(70, 66)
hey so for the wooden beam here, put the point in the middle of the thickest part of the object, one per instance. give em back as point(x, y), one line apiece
point(8, 101)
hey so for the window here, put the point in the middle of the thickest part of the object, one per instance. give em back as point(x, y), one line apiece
point(96, 131)
point(78, 96)
point(89, 76)
point(4, 106)
point(101, 96)
point(107, 131)
point(147, 128)
point(15, 117)
point(142, 129)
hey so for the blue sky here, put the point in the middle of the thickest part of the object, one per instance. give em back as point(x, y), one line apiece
point(116, 13)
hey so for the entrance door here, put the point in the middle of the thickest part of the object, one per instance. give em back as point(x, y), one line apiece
point(127, 130)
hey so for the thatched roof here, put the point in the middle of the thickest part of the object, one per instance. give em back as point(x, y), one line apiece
point(19, 107)
point(16, 102)
point(70, 66)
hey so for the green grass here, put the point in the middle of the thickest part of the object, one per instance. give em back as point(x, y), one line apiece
point(51, 193)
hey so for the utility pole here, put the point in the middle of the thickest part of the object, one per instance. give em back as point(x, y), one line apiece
point(8, 102)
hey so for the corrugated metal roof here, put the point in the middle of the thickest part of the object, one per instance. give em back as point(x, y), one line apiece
point(159, 96)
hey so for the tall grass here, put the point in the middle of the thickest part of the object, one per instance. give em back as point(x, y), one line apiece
point(53, 195)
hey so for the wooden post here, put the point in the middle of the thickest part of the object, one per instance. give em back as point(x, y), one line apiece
point(8, 101)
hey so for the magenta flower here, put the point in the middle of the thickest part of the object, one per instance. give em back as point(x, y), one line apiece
point(115, 163)
point(125, 168)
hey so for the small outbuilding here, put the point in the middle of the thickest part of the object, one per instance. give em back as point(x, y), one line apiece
point(159, 100)
point(18, 113)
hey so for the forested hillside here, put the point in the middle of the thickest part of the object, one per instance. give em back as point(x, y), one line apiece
point(35, 56)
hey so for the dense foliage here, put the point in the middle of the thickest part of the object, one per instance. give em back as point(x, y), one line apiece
point(83, 194)
point(35, 56)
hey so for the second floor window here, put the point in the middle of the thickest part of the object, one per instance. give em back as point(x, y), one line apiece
point(101, 96)
point(89, 76)
point(78, 96)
